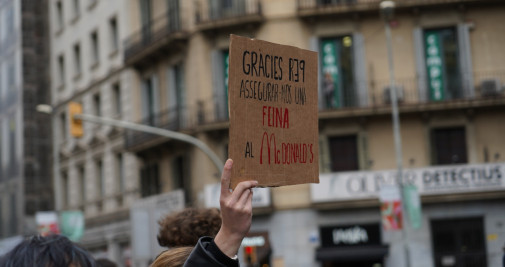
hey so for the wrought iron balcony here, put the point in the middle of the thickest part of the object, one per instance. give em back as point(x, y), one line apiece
point(309, 8)
point(156, 37)
point(213, 14)
point(487, 89)
point(174, 119)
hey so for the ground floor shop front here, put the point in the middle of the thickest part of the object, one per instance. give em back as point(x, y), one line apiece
point(462, 221)
point(452, 234)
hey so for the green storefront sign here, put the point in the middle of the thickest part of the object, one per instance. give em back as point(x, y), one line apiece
point(330, 70)
point(434, 65)
point(72, 225)
point(413, 205)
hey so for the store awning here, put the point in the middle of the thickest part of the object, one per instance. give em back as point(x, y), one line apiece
point(357, 253)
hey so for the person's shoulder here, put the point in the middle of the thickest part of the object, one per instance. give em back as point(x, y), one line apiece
point(207, 253)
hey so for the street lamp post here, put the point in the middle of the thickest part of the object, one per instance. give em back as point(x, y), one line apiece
point(387, 11)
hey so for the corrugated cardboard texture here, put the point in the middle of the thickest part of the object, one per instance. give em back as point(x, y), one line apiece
point(273, 113)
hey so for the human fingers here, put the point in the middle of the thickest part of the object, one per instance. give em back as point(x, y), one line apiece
point(241, 187)
point(225, 178)
point(245, 198)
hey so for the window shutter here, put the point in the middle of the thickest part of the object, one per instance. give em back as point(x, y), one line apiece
point(145, 100)
point(218, 83)
point(171, 95)
point(465, 57)
point(314, 46)
point(360, 75)
point(420, 64)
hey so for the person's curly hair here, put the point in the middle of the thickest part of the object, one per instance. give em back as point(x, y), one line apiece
point(184, 228)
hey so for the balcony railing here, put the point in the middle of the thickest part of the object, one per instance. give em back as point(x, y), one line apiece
point(308, 7)
point(485, 86)
point(155, 35)
point(209, 11)
point(212, 114)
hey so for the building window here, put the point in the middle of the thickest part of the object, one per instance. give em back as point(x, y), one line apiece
point(344, 153)
point(82, 184)
point(12, 147)
point(77, 60)
point(64, 189)
point(77, 8)
point(97, 104)
point(173, 15)
point(145, 13)
point(148, 100)
point(180, 177)
point(450, 236)
point(116, 96)
point(442, 63)
point(220, 71)
point(449, 146)
point(150, 180)
point(13, 229)
point(59, 14)
point(338, 84)
point(10, 23)
point(114, 35)
point(1, 219)
point(101, 178)
point(61, 70)
point(1, 157)
point(2, 80)
point(95, 49)
point(120, 172)
point(11, 73)
point(63, 124)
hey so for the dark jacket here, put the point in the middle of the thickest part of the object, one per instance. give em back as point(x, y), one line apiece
point(206, 253)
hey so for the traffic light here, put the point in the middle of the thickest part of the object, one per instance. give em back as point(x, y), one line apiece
point(75, 124)
point(250, 255)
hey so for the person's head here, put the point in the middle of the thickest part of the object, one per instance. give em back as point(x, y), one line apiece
point(50, 251)
point(174, 257)
point(184, 228)
point(105, 263)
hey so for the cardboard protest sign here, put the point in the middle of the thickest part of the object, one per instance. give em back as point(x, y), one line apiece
point(273, 113)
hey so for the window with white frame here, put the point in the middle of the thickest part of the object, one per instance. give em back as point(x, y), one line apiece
point(64, 189)
point(77, 8)
point(61, 71)
point(63, 125)
point(82, 184)
point(95, 49)
point(116, 98)
point(120, 174)
point(97, 104)
point(101, 178)
point(59, 15)
point(114, 34)
point(77, 60)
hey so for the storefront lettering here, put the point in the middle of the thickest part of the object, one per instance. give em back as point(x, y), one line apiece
point(444, 179)
point(350, 236)
point(462, 177)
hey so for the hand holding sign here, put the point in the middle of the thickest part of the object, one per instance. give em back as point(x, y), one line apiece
point(273, 113)
point(236, 212)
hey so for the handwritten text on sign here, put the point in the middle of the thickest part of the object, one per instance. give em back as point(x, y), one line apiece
point(273, 113)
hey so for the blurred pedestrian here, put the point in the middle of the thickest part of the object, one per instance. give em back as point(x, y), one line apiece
point(49, 251)
point(105, 263)
point(184, 228)
point(174, 257)
point(236, 214)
